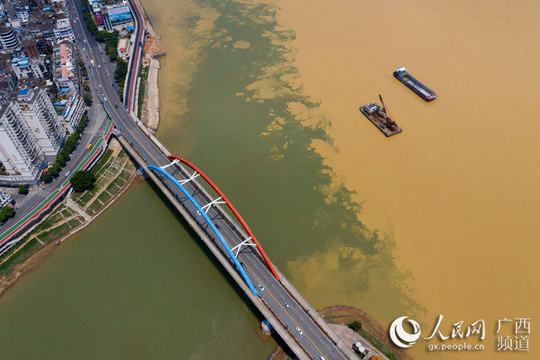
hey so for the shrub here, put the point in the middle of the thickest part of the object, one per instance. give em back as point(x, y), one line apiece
point(46, 177)
point(356, 326)
point(23, 189)
point(82, 180)
point(6, 213)
point(54, 170)
point(61, 160)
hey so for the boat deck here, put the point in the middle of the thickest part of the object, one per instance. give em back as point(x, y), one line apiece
point(416, 86)
point(380, 123)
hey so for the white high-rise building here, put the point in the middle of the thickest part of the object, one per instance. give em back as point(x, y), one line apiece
point(20, 154)
point(38, 112)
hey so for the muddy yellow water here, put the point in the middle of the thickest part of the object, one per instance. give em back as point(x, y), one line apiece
point(458, 189)
point(263, 97)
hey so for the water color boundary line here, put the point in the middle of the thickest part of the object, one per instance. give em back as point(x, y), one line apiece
point(8, 239)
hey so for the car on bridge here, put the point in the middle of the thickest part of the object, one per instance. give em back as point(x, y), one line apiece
point(261, 287)
point(299, 330)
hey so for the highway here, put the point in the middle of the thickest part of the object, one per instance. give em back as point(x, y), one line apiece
point(289, 312)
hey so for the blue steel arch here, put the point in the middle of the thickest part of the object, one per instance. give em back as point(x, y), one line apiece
point(209, 222)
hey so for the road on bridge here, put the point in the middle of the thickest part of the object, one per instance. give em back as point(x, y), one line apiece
point(289, 312)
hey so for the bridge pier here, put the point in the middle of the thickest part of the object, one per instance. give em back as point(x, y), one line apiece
point(142, 173)
point(267, 328)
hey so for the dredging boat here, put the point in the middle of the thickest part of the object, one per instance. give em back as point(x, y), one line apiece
point(420, 89)
point(378, 115)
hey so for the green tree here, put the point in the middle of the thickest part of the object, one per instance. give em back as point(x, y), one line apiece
point(54, 170)
point(356, 326)
point(82, 180)
point(87, 97)
point(23, 189)
point(63, 153)
point(111, 51)
point(84, 72)
point(61, 160)
point(6, 213)
point(46, 177)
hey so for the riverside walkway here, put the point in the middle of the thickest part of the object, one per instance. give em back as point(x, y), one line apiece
point(15, 232)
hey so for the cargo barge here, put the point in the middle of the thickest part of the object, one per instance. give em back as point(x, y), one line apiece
point(420, 89)
point(378, 115)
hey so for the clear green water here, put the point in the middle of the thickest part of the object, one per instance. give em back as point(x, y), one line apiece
point(137, 284)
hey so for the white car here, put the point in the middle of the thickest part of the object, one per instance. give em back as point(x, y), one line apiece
point(299, 330)
point(99, 66)
point(286, 305)
point(261, 287)
point(67, 174)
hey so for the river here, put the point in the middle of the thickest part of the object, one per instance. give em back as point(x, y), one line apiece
point(264, 98)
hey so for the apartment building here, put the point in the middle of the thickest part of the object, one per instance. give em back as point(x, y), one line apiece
point(73, 112)
point(65, 72)
point(29, 68)
point(38, 112)
point(63, 30)
point(20, 153)
point(8, 38)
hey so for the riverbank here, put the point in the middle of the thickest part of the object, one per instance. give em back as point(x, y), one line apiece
point(114, 173)
point(374, 335)
point(149, 113)
point(79, 210)
point(148, 78)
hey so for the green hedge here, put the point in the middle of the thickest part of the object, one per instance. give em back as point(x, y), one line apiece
point(65, 152)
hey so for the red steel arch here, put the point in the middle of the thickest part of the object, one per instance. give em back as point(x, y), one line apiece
point(230, 205)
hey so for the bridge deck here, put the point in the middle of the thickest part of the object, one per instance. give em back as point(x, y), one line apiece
point(313, 342)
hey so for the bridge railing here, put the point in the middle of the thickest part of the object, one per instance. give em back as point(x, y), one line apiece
point(209, 194)
point(223, 206)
